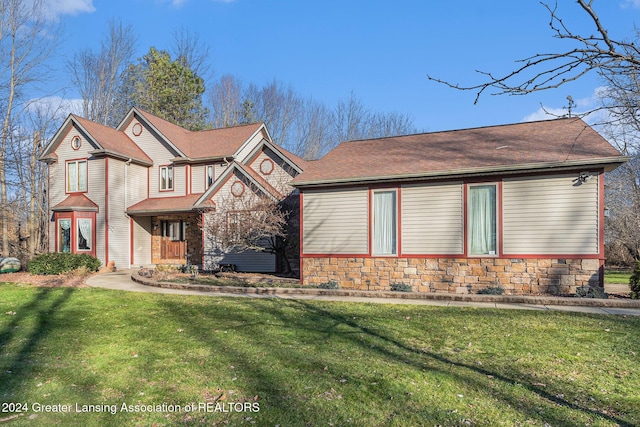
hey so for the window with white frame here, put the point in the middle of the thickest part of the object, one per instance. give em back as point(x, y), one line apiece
point(76, 176)
point(166, 178)
point(64, 235)
point(84, 234)
point(385, 228)
point(482, 220)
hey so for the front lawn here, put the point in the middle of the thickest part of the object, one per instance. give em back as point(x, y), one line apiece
point(297, 363)
point(617, 276)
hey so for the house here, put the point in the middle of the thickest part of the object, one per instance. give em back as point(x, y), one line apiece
point(139, 193)
point(517, 206)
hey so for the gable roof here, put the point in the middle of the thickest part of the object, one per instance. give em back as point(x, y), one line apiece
point(212, 143)
point(112, 140)
point(549, 144)
point(109, 141)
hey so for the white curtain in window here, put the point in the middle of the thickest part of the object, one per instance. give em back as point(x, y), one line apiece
point(82, 176)
point(384, 223)
point(72, 177)
point(65, 224)
point(84, 227)
point(64, 238)
point(483, 219)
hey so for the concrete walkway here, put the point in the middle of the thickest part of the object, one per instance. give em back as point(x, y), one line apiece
point(121, 280)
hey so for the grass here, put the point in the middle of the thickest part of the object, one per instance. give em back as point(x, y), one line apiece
point(616, 276)
point(310, 363)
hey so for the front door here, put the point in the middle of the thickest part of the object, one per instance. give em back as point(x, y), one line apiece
point(173, 245)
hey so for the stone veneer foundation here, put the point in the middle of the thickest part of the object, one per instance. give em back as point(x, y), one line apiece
point(518, 276)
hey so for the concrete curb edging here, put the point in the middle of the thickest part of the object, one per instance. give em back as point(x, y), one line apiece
point(505, 299)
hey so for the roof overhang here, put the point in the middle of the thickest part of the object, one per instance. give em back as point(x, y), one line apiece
point(108, 153)
point(608, 164)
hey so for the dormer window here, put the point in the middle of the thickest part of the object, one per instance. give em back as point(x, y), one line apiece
point(166, 178)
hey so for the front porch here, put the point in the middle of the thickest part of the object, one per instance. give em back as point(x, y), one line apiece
point(176, 239)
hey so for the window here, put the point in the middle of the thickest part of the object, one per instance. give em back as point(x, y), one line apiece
point(385, 223)
point(208, 176)
point(77, 176)
point(166, 178)
point(64, 235)
point(482, 220)
point(174, 230)
point(84, 234)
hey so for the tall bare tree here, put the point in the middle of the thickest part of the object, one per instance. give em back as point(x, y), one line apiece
point(97, 74)
point(27, 39)
point(226, 102)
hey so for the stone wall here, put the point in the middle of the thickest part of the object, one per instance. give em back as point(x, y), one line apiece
point(456, 275)
point(193, 239)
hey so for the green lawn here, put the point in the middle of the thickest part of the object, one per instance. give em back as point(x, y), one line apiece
point(308, 363)
point(614, 276)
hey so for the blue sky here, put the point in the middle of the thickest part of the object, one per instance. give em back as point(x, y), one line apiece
point(381, 50)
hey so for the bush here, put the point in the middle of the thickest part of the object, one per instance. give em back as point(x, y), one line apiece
point(634, 282)
point(62, 262)
point(589, 292)
point(331, 284)
point(401, 287)
point(492, 290)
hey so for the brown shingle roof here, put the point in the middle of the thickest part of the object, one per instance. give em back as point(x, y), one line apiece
point(76, 202)
point(223, 142)
point(113, 140)
point(533, 145)
point(164, 204)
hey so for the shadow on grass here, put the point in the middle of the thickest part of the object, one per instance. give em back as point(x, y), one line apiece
point(313, 322)
point(19, 339)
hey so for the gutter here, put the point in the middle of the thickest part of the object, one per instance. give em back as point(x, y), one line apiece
point(120, 157)
point(609, 163)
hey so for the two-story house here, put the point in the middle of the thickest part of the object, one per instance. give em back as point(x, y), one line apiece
point(137, 194)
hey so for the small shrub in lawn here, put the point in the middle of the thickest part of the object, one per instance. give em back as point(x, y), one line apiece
point(401, 287)
point(589, 292)
point(492, 290)
point(634, 282)
point(331, 284)
point(62, 262)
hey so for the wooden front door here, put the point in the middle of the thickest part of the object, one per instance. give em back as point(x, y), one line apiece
point(173, 245)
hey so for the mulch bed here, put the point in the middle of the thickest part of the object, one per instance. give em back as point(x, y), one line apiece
point(57, 281)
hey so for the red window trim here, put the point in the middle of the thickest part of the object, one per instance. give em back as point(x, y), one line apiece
point(173, 178)
point(74, 216)
point(66, 175)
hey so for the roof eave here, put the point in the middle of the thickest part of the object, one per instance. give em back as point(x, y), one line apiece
point(74, 209)
point(120, 156)
point(148, 212)
point(608, 163)
point(179, 160)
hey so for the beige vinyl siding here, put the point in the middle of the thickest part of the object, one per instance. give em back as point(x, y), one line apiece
point(198, 178)
point(161, 154)
point(118, 229)
point(432, 219)
point(336, 221)
point(141, 241)
point(550, 215)
point(136, 184)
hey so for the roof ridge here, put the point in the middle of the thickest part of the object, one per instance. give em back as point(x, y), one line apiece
point(465, 129)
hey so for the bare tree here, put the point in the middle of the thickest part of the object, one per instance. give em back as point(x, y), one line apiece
point(97, 75)
point(27, 39)
point(225, 97)
point(191, 52)
point(586, 53)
